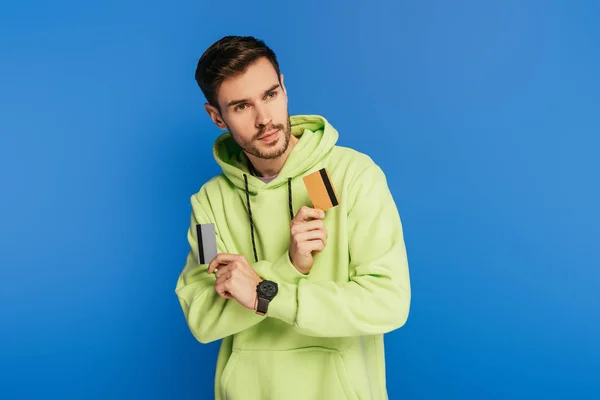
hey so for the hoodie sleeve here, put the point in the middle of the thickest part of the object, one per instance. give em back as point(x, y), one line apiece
point(209, 316)
point(376, 299)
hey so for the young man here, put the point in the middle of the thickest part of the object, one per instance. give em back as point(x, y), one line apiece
point(301, 297)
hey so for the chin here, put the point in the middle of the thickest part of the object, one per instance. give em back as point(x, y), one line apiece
point(275, 150)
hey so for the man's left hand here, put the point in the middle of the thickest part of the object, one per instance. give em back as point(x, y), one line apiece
point(236, 279)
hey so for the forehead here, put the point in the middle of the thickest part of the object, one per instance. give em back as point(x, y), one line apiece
point(251, 84)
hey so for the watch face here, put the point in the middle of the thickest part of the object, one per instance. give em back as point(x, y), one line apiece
point(268, 288)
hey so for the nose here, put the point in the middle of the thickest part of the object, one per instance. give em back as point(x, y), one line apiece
point(263, 117)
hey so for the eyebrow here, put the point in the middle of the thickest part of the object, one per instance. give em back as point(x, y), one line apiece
point(236, 102)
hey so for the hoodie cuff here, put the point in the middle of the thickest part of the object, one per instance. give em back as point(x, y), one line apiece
point(285, 270)
point(285, 304)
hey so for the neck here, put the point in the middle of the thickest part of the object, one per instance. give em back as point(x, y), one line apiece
point(270, 167)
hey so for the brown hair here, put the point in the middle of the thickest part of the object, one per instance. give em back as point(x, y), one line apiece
point(226, 58)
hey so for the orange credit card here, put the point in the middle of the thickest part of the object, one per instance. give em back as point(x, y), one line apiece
point(320, 190)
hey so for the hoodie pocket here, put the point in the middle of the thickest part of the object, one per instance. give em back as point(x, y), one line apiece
point(307, 373)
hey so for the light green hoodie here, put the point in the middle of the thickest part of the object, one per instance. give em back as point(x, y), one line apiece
point(322, 337)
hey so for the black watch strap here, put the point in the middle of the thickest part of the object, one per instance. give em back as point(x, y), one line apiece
point(262, 306)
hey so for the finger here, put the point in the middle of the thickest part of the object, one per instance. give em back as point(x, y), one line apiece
point(223, 258)
point(228, 288)
point(311, 235)
point(298, 227)
point(229, 268)
point(226, 295)
point(214, 264)
point(223, 277)
point(222, 288)
point(304, 213)
point(310, 246)
point(223, 269)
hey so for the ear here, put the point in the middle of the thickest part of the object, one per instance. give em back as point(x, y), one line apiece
point(282, 84)
point(215, 115)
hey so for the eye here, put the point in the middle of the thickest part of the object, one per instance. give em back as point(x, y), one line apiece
point(272, 94)
point(240, 107)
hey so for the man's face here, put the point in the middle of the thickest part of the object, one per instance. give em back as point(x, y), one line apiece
point(254, 109)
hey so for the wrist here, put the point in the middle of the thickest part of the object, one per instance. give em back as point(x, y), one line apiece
point(255, 306)
point(294, 265)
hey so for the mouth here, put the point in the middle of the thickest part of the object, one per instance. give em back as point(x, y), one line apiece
point(269, 135)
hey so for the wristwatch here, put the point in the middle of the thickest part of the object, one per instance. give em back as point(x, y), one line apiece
point(265, 290)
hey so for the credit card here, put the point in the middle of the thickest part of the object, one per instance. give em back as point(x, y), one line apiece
point(206, 238)
point(320, 190)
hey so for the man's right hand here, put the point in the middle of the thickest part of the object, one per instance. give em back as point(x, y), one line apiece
point(307, 236)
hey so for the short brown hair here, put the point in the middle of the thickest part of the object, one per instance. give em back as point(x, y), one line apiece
point(226, 58)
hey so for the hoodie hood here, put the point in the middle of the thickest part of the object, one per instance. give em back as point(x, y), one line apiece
point(316, 140)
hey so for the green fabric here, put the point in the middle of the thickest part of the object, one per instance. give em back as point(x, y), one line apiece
point(322, 337)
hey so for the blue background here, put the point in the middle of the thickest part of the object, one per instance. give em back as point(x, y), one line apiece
point(484, 116)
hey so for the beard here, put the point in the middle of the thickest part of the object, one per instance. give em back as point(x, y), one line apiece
point(267, 151)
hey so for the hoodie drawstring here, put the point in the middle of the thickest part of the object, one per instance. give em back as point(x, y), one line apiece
point(250, 211)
